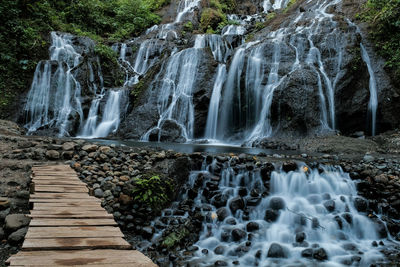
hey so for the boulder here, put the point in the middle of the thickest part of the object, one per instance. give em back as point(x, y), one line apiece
point(52, 154)
point(276, 251)
point(277, 203)
point(238, 234)
point(237, 203)
point(68, 146)
point(17, 237)
point(14, 222)
point(89, 148)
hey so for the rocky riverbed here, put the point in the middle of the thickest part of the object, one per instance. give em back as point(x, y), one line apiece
point(113, 173)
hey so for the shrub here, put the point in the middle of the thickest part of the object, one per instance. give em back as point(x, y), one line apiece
point(152, 190)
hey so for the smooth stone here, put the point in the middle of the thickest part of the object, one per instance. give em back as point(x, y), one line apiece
point(14, 222)
point(276, 251)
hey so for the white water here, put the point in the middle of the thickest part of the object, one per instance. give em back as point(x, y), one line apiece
point(213, 110)
point(175, 95)
point(184, 7)
point(55, 94)
point(373, 94)
point(110, 117)
point(304, 195)
point(277, 4)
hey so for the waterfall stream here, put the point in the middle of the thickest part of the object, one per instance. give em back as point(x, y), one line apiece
point(282, 219)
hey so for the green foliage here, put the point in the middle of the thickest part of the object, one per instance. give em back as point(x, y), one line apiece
point(175, 238)
point(188, 27)
point(384, 19)
point(152, 190)
point(211, 19)
point(25, 27)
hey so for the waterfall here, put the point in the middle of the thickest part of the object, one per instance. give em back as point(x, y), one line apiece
point(285, 218)
point(55, 93)
point(184, 7)
point(277, 4)
point(213, 110)
point(175, 101)
point(373, 94)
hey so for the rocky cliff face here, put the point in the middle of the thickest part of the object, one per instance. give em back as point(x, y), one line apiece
point(297, 69)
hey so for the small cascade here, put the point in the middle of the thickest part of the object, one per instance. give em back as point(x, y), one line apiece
point(213, 110)
point(276, 218)
point(373, 94)
point(275, 5)
point(184, 7)
point(55, 93)
point(111, 115)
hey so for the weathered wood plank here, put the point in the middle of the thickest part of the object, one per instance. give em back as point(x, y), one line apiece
point(63, 200)
point(82, 257)
point(81, 231)
point(75, 243)
point(61, 195)
point(50, 206)
point(72, 222)
point(75, 216)
point(56, 189)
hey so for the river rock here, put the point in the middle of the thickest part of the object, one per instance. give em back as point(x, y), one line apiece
point(271, 215)
point(219, 250)
point(320, 254)
point(222, 213)
point(237, 203)
point(252, 226)
point(307, 253)
point(360, 204)
point(17, 236)
point(15, 221)
point(98, 193)
point(329, 205)
point(52, 154)
point(68, 146)
point(238, 234)
point(276, 251)
point(277, 203)
point(289, 166)
point(89, 148)
point(300, 237)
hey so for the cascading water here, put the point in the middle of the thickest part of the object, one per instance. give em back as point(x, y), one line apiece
point(176, 92)
point(277, 4)
point(184, 7)
point(373, 94)
point(212, 117)
point(55, 93)
point(110, 117)
point(281, 219)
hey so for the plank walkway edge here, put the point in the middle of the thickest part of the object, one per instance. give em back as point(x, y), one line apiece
point(69, 227)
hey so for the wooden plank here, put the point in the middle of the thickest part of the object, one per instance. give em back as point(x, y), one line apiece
point(54, 177)
point(64, 200)
point(87, 257)
point(61, 195)
point(75, 243)
point(80, 231)
point(55, 189)
point(61, 183)
point(72, 222)
point(50, 206)
point(94, 215)
point(67, 211)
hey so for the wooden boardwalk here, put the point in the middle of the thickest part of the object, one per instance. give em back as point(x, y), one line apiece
point(70, 228)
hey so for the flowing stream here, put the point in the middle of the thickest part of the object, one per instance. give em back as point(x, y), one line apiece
point(300, 217)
